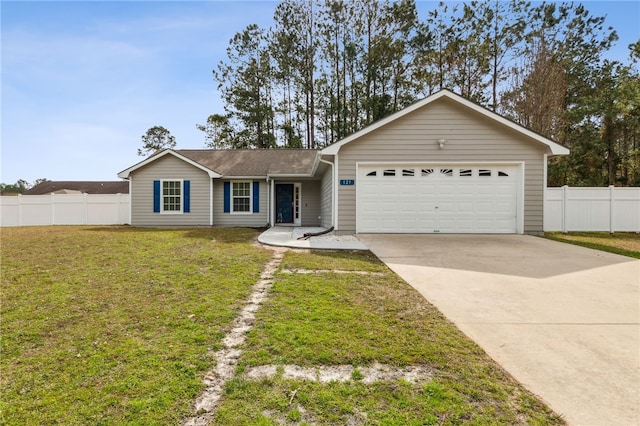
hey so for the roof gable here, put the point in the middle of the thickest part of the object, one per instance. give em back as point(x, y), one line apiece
point(552, 147)
point(125, 173)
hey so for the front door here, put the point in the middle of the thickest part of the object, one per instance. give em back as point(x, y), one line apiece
point(288, 203)
point(284, 203)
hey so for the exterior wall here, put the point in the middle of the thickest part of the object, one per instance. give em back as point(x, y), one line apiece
point(326, 198)
point(311, 203)
point(469, 137)
point(253, 220)
point(169, 167)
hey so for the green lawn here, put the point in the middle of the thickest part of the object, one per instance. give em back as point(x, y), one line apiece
point(116, 325)
point(113, 325)
point(624, 243)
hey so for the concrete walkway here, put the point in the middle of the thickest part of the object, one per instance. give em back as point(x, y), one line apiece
point(563, 320)
point(287, 236)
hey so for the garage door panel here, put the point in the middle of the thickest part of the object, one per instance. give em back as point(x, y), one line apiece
point(437, 198)
point(466, 206)
point(503, 208)
point(484, 207)
point(466, 189)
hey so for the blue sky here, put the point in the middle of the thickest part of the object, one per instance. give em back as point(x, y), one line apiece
point(81, 82)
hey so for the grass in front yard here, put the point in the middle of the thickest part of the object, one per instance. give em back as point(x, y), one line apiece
point(333, 319)
point(624, 243)
point(111, 325)
point(333, 260)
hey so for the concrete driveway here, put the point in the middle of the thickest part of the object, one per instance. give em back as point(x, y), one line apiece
point(563, 320)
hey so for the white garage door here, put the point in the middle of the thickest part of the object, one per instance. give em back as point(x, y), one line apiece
point(437, 198)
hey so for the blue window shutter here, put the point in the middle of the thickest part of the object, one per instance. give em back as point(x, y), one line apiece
point(256, 197)
point(186, 188)
point(227, 197)
point(156, 196)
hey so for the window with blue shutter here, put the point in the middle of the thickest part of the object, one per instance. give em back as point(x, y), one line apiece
point(156, 196)
point(256, 197)
point(171, 196)
point(227, 197)
point(186, 188)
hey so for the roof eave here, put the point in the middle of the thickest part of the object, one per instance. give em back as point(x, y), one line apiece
point(239, 177)
point(289, 175)
point(316, 163)
point(558, 150)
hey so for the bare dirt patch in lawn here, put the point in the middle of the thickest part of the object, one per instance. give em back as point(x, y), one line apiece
point(343, 373)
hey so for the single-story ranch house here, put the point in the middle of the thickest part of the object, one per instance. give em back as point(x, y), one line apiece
point(442, 165)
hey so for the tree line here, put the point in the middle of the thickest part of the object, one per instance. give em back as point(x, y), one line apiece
point(20, 187)
point(328, 68)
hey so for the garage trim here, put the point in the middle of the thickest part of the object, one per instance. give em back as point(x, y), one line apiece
point(519, 165)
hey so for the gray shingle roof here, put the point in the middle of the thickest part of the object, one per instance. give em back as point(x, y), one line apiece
point(254, 162)
point(73, 186)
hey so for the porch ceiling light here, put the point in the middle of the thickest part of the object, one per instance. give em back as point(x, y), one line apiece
point(441, 143)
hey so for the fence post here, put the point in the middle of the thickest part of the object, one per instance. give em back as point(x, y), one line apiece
point(19, 209)
point(564, 209)
point(53, 209)
point(118, 219)
point(85, 197)
point(611, 209)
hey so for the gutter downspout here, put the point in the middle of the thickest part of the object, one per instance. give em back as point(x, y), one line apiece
point(272, 208)
point(210, 201)
point(333, 190)
point(268, 202)
point(130, 179)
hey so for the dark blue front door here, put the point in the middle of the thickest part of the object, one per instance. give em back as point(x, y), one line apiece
point(284, 203)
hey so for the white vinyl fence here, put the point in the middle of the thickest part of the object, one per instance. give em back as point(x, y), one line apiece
point(565, 209)
point(592, 209)
point(65, 209)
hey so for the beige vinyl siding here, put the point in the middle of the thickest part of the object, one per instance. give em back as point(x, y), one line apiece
point(168, 168)
point(310, 203)
point(326, 197)
point(469, 137)
point(220, 218)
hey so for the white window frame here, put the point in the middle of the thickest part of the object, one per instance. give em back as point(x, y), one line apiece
point(233, 197)
point(162, 210)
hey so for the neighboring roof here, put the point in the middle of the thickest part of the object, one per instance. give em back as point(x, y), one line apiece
point(553, 147)
point(242, 162)
point(79, 187)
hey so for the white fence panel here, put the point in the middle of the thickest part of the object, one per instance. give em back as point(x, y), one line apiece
point(70, 210)
point(9, 211)
point(626, 214)
point(553, 210)
point(65, 209)
point(592, 209)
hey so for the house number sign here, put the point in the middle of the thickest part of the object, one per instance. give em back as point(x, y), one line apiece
point(347, 182)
